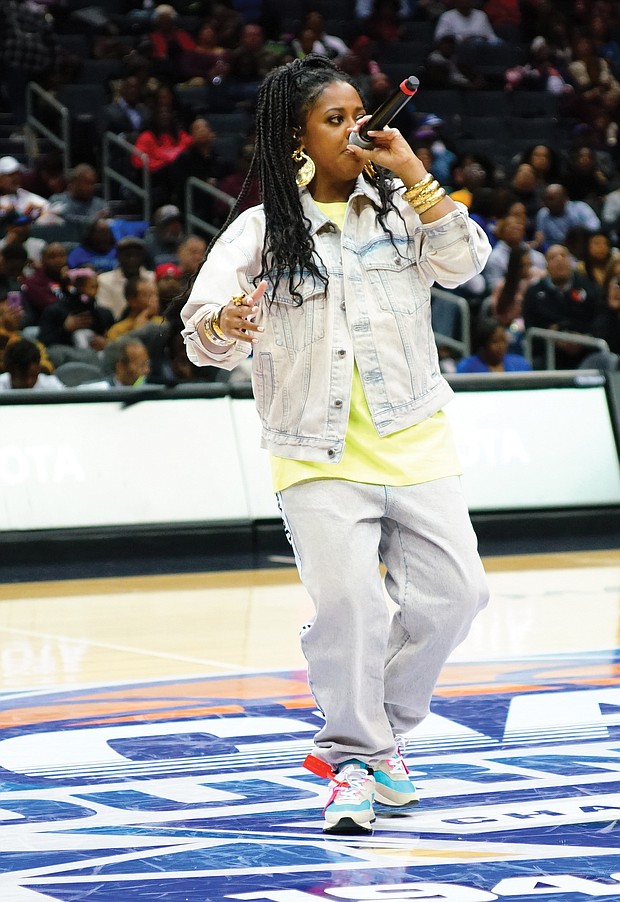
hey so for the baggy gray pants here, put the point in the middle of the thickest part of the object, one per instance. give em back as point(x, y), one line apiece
point(372, 678)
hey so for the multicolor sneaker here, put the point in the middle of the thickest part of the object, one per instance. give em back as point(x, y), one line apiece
point(393, 784)
point(349, 810)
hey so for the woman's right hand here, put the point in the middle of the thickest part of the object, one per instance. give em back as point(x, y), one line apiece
point(234, 318)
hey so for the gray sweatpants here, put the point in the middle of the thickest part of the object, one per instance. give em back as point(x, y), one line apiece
point(371, 677)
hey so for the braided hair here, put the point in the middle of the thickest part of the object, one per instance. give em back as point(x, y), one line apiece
point(284, 99)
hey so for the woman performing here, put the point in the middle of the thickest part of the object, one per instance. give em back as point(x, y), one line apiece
point(327, 282)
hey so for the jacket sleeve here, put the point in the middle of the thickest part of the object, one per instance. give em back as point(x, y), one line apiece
point(225, 273)
point(451, 250)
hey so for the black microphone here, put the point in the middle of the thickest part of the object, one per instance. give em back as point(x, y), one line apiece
point(386, 112)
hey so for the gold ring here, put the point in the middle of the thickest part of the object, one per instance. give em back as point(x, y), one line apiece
point(238, 300)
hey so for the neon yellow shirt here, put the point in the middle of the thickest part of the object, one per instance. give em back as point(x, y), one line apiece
point(417, 454)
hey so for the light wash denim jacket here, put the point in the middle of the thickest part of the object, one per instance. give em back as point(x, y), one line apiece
point(376, 311)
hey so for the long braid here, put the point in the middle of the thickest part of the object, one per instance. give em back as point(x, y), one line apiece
point(284, 98)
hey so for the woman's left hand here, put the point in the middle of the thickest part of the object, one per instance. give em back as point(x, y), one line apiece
point(391, 151)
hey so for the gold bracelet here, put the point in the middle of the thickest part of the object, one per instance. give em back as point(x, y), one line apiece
point(414, 190)
point(426, 204)
point(425, 192)
point(212, 336)
point(215, 326)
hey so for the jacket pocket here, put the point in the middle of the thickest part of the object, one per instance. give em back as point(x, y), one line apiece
point(393, 278)
point(295, 327)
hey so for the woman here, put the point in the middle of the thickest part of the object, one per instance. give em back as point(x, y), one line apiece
point(597, 257)
point(491, 352)
point(330, 280)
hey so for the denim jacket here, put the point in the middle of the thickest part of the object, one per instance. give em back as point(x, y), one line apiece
point(376, 312)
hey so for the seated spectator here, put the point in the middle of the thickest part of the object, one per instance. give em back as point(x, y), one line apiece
point(142, 307)
point(163, 142)
point(168, 280)
point(584, 178)
point(559, 214)
point(606, 324)
point(202, 161)
point(384, 24)
point(329, 45)
point(46, 177)
point(13, 261)
point(128, 114)
point(191, 254)
point(79, 204)
point(468, 175)
point(76, 320)
point(539, 73)
point(13, 198)
point(48, 284)
point(97, 248)
point(167, 40)
point(207, 60)
point(597, 257)
point(465, 23)
point(546, 164)
point(250, 61)
point(22, 369)
point(563, 300)
point(596, 88)
point(605, 42)
point(432, 134)
point(510, 233)
point(523, 186)
point(491, 352)
point(162, 239)
point(131, 362)
point(444, 70)
point(11, 319)
point(17, 233)
point(131, 257)
point(505, 302)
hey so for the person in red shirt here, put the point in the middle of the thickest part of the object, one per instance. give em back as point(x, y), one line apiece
point(163, 142)
point(168, 41)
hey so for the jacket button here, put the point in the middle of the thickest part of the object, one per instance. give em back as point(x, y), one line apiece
point(331, 452)
point(343, 306)
point(338, 402)
point(342, 352)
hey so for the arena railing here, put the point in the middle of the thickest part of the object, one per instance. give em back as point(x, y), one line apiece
point(451, 321)
point(192, 185)
point(35, 94)
point(551, 338)
point(111, 174)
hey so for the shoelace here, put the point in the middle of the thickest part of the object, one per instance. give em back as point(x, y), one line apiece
point(351, 786)
point(397, 762)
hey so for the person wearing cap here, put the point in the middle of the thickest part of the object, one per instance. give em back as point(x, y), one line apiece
point(163, 238)
point(131, 257)
point(79, 204)
point(13, 198)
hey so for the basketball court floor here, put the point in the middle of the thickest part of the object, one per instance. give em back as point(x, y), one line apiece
point(152, 732)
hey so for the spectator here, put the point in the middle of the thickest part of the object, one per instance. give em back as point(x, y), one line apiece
point(503, 12)
point(163, 142)
point(27, 51)
point(491, 352)
point(46, 177)
point(539, 73)
point(17, 232)
point(202, 161)
point(563, 300)
point(22, 365)
point(606, 324)
point(610, 215)
point(468, 174)
point(167, 40)
point(15, 199)
point(444, 70)
point(584, 179)
point(191, 254)
point(249, 63)
point(511, 234)
point(559, 214)
point(333, 47)
point(97, 248)
point(465, 23)
point(48, 284)
point(523, 186)
point(131, 361)
point(207, 60)
point(384, 25)
point(76, 320)
point(13, 260)
point(142, 308)
point(11, 319)
point(128, 114)
point(596, 88)
point(505, 303)
point(168, 279)
point(545, 162)
point(131, 258)
point(79, 204)
point(598, 255)
point(163, 238)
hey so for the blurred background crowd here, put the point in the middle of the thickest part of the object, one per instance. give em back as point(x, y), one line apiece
point(517, 116)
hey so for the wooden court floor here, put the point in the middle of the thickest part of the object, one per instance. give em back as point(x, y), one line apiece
point(152, 731)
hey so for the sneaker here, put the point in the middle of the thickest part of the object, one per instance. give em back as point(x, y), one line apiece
point(393, 783)
point(349, 810)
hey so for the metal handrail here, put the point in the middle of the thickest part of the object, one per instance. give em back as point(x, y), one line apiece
point(62, 141)
point(113, 175)
point(191, 218)
point(551, 338)
point(463, 344)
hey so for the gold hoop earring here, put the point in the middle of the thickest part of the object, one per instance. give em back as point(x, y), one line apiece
point(306, 170)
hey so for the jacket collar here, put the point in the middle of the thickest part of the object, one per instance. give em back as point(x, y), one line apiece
point(317, 217)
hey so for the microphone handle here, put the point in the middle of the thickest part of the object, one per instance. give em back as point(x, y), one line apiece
point(386, 112)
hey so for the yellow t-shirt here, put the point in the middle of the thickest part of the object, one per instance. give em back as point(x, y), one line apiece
point(416, 454)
